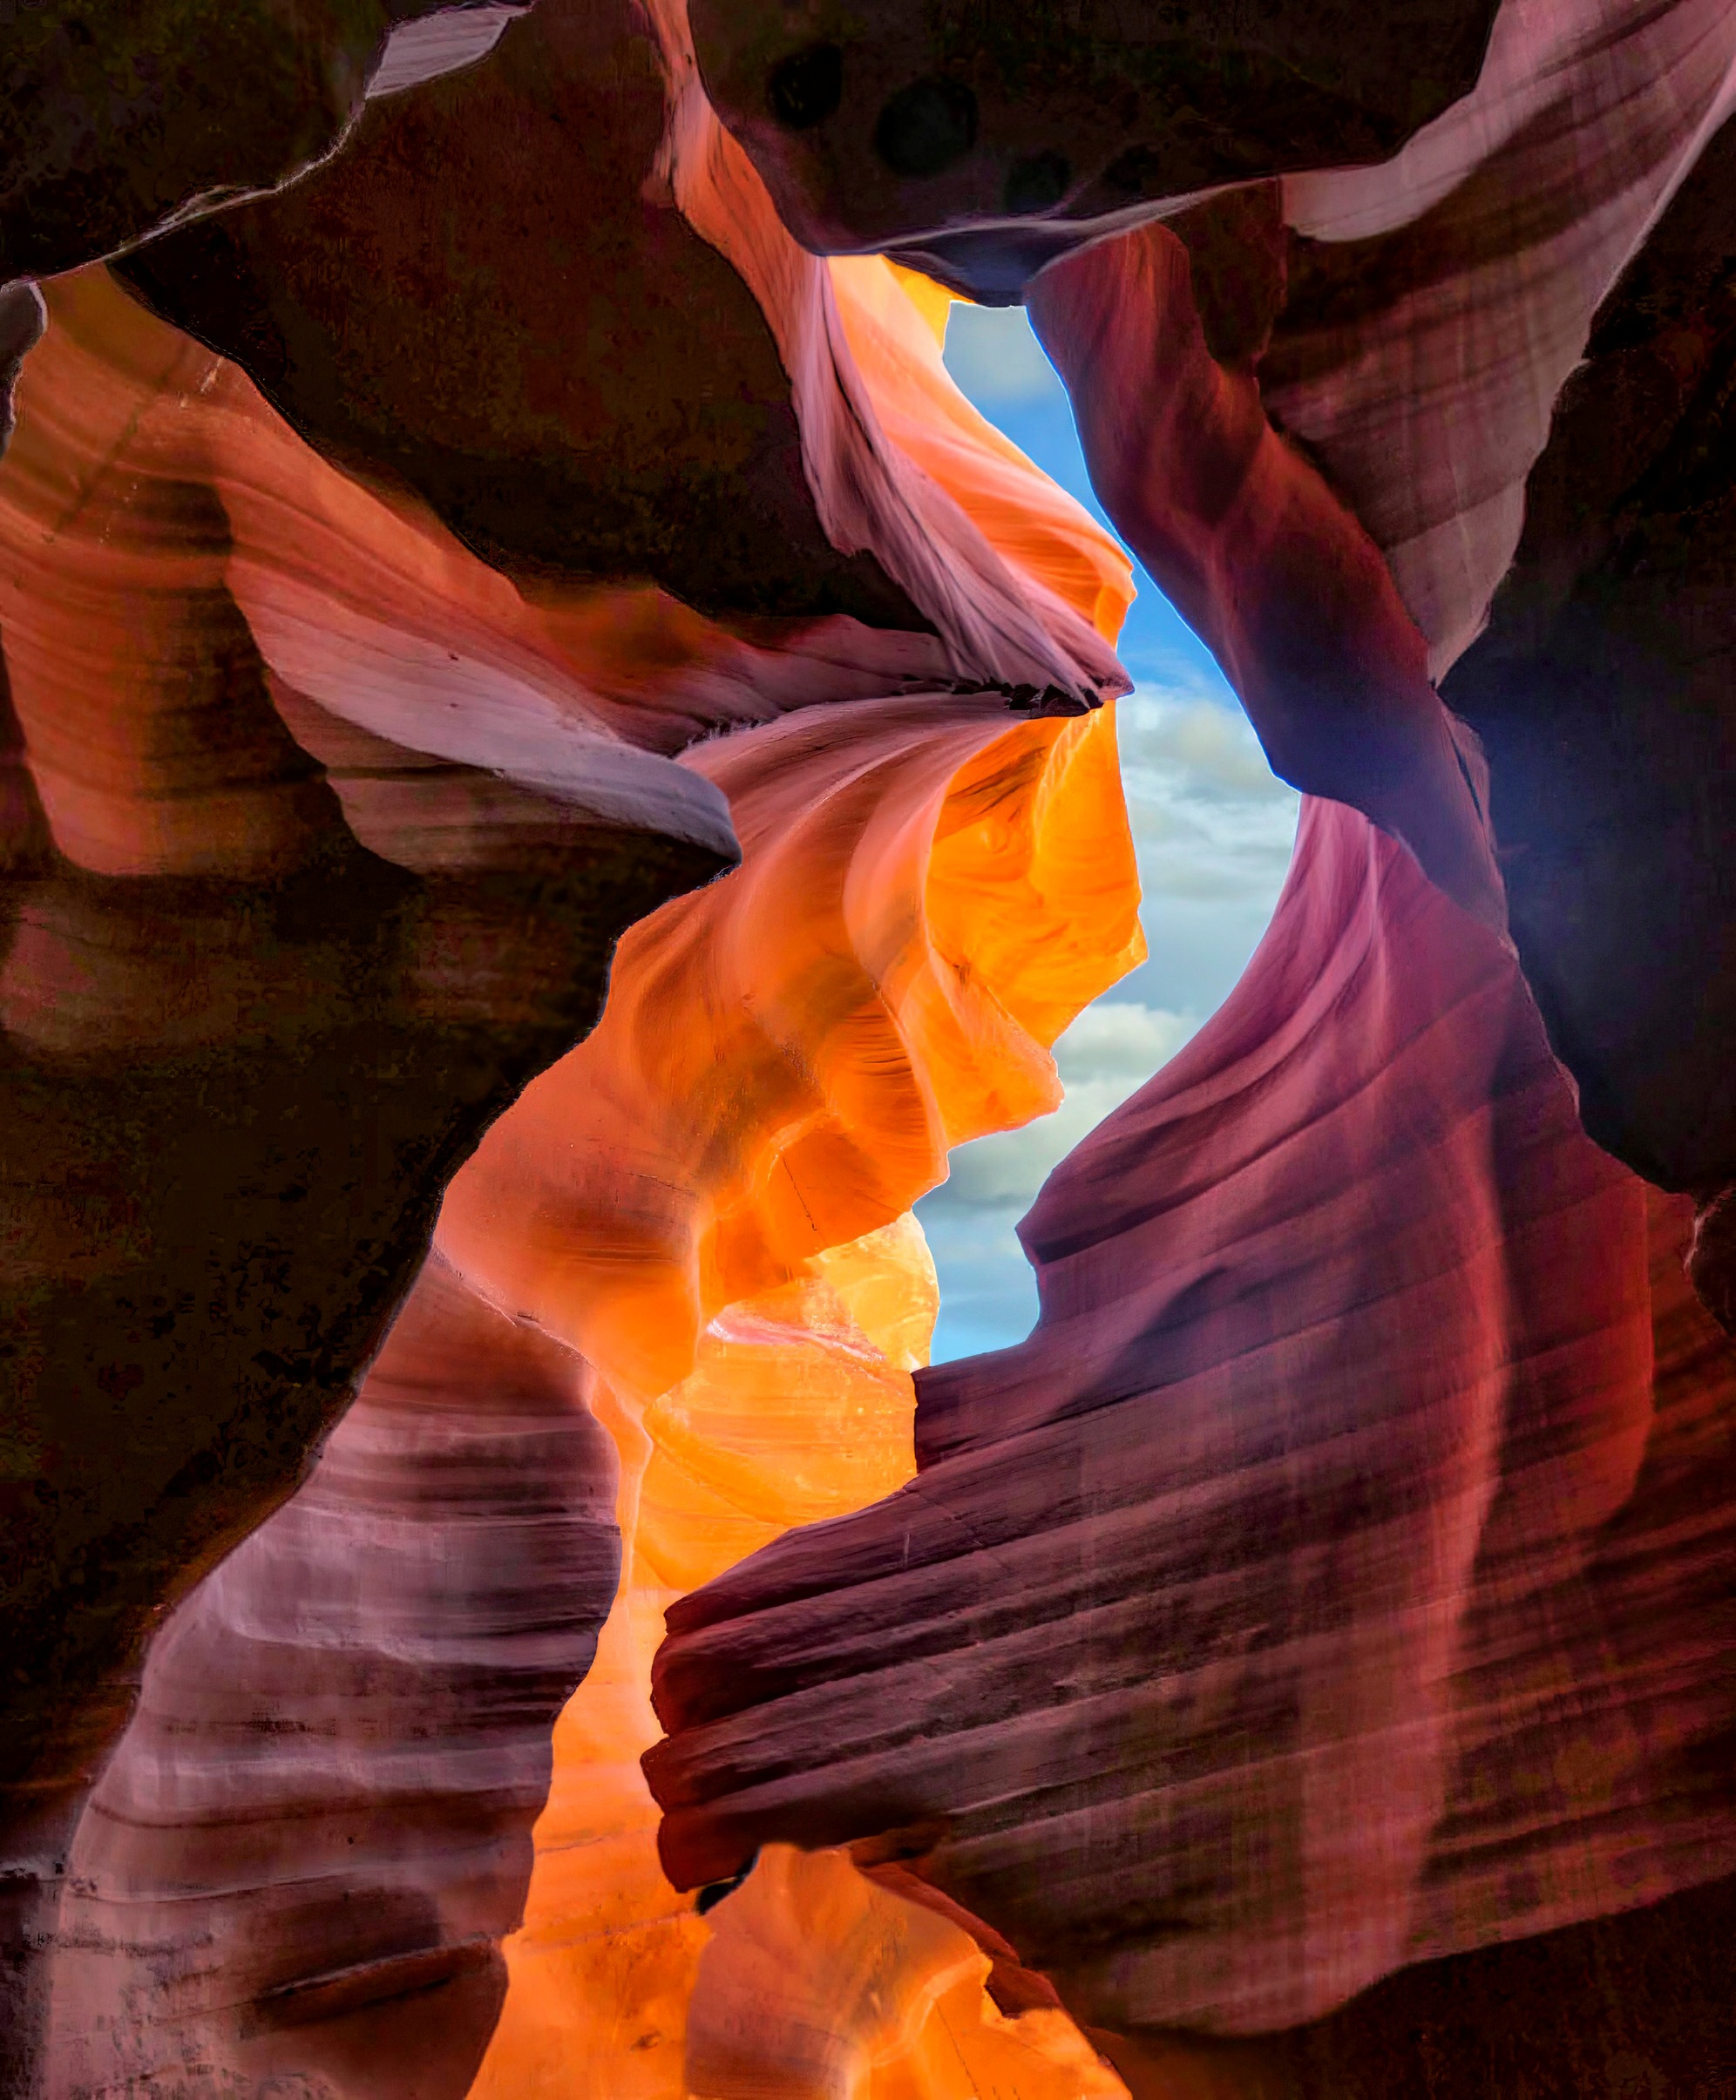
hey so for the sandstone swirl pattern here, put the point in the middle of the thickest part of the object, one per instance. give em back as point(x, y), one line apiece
point(503, 566)
point(241, 670)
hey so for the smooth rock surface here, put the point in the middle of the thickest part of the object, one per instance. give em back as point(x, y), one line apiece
point(119, 117)
point(409, 694)
point(300, 1862)
point(584, 340)
point(1601, 691)
point(983, 142)
point(256, 1009)
point(1331, 1581)
point(1323, 1621)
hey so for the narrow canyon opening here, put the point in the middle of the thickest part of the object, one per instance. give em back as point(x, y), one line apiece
point(1213, 830)
point(576, 854)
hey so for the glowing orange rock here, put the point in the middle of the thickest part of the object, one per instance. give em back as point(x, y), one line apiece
point(698, 1200)
point(937, 888)
point(255, 1009)
point(817, 1984)
point(844, 1047)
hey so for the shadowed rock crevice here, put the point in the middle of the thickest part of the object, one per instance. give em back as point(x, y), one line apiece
point(242, 1053)
point(568, 420)
point(417, 558)
point(1601, 691)
point(119, 117)
point(982, 143)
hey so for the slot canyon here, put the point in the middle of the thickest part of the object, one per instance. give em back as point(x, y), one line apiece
point(556, 765)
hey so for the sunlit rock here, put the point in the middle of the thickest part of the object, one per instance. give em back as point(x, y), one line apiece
point(1310, 1594)
point(504, 475)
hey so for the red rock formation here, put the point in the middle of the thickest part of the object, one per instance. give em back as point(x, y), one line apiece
point(1257, 551)
point(404, 698)
point(1635, 2004)
point(993, 142)
point(1334, 1581)
point(321, 1812)
point(1339, 1666)
point(1600, 691)
point(1406, 330)
point(1311, 1593)
point(641, 444)
point(255, 1010)
point(118, 117)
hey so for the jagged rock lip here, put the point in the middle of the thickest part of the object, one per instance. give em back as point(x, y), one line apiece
point(435, 44)
point(315, 2000)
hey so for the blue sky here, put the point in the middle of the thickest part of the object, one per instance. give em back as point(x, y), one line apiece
point(1212, 830)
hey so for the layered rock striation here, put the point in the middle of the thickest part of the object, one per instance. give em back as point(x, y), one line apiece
point(1204, 1682)
point(468, 517)
point(264, 685)
point(301, 1861)
point(259, 1004)
point(1292, 1605)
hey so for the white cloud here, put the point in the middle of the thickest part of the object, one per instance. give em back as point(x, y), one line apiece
point(1211, 823)
point(1110, 1043)
point(1107, 1054)
point(1198, 744)
point(995, 359)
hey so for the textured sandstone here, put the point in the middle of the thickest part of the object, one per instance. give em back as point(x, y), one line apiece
point(321, 1812)
point(925, 899)
point(661, 389)
point(256, 1010)
point(663, 1197)
point(1601, 691)
point(965, 882)
point(1331, 1581)
point(989, 139)
point(1334, 1582)
point(1322, 1622)
point(118, 117)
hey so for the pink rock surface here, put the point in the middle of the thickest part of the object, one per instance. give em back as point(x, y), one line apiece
point(301, 1859)
point(705, 428)
point(1337, 1581)
point(1328, 1582)
point(244, 682)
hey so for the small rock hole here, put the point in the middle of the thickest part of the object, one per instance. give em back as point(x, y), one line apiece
point(926, 128)
point(806, 87)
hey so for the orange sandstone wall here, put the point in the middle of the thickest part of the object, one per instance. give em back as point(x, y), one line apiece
point(703, 1210)
point(755, 1337)
point(710, 1200)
